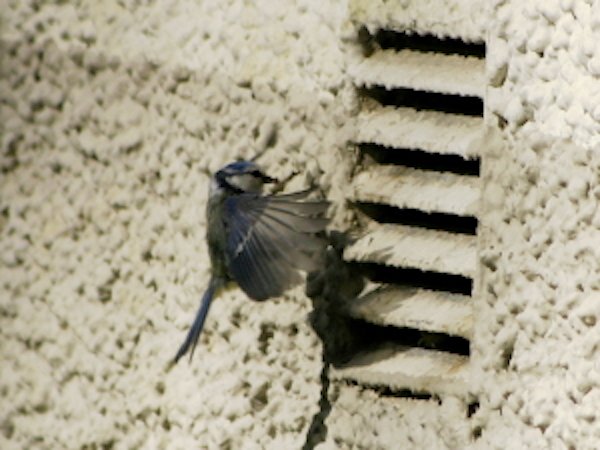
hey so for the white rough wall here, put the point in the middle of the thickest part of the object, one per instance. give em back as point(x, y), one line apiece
point(537, 339)
point(113, 114)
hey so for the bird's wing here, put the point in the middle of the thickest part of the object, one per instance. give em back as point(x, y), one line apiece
point(270, 238)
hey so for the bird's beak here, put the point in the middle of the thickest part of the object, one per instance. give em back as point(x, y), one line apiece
point(267, 179)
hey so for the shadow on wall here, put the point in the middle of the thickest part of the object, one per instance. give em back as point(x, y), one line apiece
point(331, 290)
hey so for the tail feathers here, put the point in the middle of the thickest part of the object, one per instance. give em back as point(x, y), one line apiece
point(194, 334)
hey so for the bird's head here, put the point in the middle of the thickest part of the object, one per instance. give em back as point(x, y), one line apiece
point(239, 177)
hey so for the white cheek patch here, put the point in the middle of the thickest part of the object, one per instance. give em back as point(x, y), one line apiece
point(214, 188)
point(236, 181)
point(245, 182)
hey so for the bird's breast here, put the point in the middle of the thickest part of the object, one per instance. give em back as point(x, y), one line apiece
point(216, 235)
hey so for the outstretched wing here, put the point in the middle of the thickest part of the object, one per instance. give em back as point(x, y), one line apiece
point(270, 238)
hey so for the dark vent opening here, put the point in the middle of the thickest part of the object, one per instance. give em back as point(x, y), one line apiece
point(383, 213)
point(423, 100)
point(376, 336)
point(387, 391)
point(388, 39)
point(435, 281)
point(419, 159)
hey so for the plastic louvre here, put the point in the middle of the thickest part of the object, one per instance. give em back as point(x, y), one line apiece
point(432, 131)
point(412, 368)
point(422, 71)
point(412, 247)
point(427, 191)
point(411, 307)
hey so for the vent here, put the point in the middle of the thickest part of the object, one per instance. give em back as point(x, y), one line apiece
point(416, 191)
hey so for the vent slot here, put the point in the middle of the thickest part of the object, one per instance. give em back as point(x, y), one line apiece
point(416, 193)
point(420, 100)
point(390, 39)
point(376, 336)
point(400, 276)
point(416, 218)
point(385, 391)
point(420, 159)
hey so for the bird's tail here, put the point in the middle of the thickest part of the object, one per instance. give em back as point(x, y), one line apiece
point(192, 337)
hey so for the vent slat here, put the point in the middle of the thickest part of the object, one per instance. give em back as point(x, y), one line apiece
point(462, 19)
point(428, 191)
point(422, 309)
point(404, 246)
point(420, 78)
point(416, 369)
point(430, 131)
point(445, 74)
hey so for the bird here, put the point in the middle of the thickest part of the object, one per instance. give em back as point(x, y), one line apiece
point(259, 241)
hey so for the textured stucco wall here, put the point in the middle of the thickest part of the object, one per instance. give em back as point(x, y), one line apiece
point(536, 341)
point(113, 114)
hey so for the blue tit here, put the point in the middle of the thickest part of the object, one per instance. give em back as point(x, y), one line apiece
point(261, 242)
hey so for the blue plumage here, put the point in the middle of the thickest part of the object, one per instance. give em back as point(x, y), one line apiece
point(259, 241)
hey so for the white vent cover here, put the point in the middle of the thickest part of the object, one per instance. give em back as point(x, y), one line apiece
point(417, 192)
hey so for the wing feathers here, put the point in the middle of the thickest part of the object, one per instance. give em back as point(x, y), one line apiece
point(290, 246)
point(296, 222)
point(304, 208)
point(271, 238)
